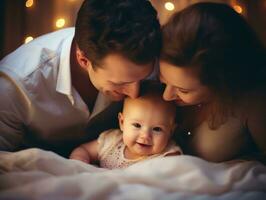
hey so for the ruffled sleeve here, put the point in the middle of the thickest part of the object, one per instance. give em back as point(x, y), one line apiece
point(107, 140)
point(172, 148)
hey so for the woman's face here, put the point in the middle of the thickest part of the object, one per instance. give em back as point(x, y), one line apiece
point(183, 85)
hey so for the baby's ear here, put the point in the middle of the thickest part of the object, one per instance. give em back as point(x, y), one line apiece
point(121, 120)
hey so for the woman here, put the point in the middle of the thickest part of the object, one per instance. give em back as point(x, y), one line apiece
point(213, 64)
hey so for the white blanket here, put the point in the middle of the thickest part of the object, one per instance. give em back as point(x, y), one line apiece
point(38, 174)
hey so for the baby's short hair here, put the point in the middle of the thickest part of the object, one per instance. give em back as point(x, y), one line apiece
point(153, 91)
point(151, 88)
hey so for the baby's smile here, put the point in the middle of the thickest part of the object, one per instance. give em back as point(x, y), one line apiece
point(143, 144)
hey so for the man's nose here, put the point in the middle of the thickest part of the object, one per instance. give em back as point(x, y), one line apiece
point(169, 93)
point(132, 90)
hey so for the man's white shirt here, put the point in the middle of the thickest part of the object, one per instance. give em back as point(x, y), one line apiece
point(37, 97)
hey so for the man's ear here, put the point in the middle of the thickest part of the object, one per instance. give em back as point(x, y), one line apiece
point(121, 120)
point(83, 61)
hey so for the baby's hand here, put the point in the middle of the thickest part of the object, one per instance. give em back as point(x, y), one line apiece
point(80, 154)
point(76, 157)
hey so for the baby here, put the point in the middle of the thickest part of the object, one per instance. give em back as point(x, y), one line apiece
point(146, 126)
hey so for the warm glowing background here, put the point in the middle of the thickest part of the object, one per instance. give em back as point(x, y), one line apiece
point(23, 20)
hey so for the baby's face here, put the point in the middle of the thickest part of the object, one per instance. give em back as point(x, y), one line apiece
point(147, 125)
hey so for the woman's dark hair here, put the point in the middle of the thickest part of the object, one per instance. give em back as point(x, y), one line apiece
point(127, 27)
point(217, 40)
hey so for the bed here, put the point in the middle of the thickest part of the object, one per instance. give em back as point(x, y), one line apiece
point(39, 174)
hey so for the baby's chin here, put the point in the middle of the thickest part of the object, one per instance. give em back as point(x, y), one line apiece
point(147, 152)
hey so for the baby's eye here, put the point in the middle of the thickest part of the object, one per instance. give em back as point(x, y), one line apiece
point(136, 125)
point(157, 129)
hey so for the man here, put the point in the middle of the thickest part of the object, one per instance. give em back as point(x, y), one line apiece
point(62, 83)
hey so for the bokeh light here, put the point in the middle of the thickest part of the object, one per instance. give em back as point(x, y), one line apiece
point(169, 6)
point(60, 22)
point(238, 8)
point(28, 39)
point(29, 3)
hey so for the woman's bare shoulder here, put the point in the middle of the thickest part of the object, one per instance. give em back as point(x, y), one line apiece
point(256, 118)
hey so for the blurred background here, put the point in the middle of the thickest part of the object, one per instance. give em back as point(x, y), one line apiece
point(24, 20)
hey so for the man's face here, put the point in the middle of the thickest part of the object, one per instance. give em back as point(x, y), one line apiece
point(118, 77)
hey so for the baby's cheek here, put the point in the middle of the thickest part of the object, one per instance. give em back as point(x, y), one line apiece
point(129, 137)
point(160, 145)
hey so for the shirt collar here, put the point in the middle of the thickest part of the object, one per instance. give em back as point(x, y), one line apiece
point(63, 84)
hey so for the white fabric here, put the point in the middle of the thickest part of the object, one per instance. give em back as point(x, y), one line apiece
point(111, 150)
point(37, 174)
point(37, 96)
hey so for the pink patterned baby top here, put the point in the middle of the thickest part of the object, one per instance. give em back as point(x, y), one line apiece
point(111, 150)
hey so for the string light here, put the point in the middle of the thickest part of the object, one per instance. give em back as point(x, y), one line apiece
point(60, 22)
point(28, 39)
point(29, 3)
point(238, 8)
point(169, 6)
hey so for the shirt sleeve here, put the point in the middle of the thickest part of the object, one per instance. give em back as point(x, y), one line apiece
point(172, 148)
point(12, 114)
point(107, 140)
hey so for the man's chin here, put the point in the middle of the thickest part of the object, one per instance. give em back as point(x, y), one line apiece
point(115, 97)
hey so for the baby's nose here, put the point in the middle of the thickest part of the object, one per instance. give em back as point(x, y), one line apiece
point(145, 138)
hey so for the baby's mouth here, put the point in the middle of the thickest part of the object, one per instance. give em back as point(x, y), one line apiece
point(143, 145)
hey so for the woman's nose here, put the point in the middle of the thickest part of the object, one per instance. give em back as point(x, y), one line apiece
point(169, 93)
